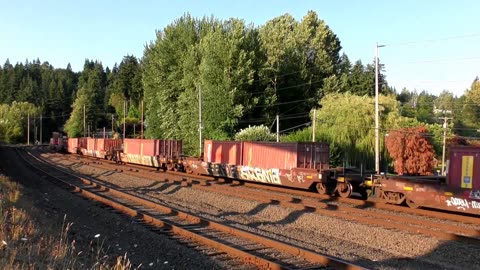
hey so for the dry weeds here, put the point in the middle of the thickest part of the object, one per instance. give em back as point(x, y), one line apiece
point(24, 245)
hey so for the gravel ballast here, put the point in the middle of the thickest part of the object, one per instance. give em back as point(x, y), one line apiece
point(369, 246)
point(117, 234)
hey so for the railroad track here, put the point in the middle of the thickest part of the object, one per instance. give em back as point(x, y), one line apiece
point(361, 204)
point(371, 204)
point(386, 220)
point(196, 232)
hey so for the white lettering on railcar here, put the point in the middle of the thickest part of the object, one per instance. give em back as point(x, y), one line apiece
point(461, 204)
point(474, 194)
point(475, 205)
point(271, 176)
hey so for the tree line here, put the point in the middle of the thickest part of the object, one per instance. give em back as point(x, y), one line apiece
point(246, 74)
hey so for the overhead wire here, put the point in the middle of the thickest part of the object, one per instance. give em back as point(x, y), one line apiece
point(394, 44)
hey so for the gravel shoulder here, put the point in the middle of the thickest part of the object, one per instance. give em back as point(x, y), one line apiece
point(49, 205)
point(369, 246)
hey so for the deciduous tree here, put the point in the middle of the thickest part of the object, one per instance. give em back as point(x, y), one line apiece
point(411, 151)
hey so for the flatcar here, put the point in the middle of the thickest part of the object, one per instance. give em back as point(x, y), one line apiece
point(302, 165)
point(160, 154)
point(94, 147)
point(458, 191)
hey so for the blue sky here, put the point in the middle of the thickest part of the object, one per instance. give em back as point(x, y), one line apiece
point(431, 45)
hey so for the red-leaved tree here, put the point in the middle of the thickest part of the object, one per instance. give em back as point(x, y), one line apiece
point(411, 150)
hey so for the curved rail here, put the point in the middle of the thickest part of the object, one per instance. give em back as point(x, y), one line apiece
point(386, 220)
point(254, 249)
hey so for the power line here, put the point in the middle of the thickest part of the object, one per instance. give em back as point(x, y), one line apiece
point(301, 125)
point(432, 40)
point(283, 103)
point(439, 60)
point(280, 89)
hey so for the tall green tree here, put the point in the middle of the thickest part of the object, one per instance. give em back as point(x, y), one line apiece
point(88, 101)
point(14, 119)
point(226, 73)
point(424, 106)
point(298, 58)
point(163, 75)
point(471, 108)
point(350, 127)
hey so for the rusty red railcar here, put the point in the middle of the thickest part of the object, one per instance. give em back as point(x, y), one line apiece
point(224, 152)
point(72, 145)
point(91, 147)
point(464, 167)
point(104, 148)
point(170, 152)
point(459, 191)
point(140, 151)
point(286, 156)
point(82, 143)
point(156, 153)
point(299, 165)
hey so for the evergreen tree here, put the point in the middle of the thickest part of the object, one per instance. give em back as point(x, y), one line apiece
point(91, 93)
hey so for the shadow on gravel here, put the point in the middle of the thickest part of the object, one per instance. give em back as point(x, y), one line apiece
point(106, 173)
point(259, 208)
point(174, 190)
point(290, 218)
point(156, 187)
point(366, 205)
point(448, 255)
point(74, 165)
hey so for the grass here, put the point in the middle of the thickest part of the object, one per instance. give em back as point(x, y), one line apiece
point(26, 245)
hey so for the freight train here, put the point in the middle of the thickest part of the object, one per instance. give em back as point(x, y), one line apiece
point(301, 165)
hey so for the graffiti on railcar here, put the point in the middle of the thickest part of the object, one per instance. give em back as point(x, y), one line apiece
point(271, 176)
point(474, 194)
point(299, 177)
point(143, 160)
point(462, 204)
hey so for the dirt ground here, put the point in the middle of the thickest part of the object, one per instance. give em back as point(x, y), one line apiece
point(49, 205)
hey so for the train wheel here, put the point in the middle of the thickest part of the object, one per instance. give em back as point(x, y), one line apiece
point(344, 189)
point(412, 204)
point(321, 188)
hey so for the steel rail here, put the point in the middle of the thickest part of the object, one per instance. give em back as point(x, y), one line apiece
point(327, 198)
point(443, 231)
point(242, 253)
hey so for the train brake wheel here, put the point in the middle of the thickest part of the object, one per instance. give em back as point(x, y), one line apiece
point(412, 204)
point(344, 189)
point(321, 188)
